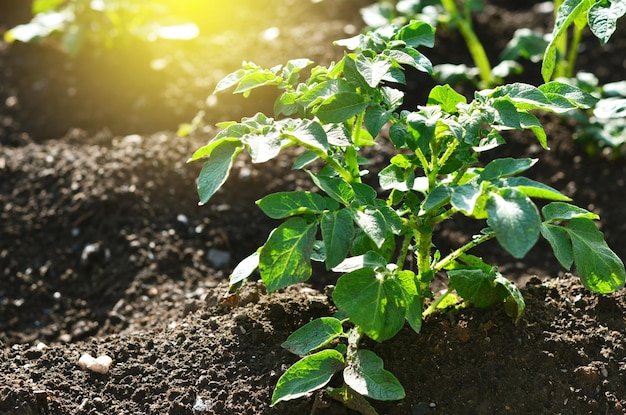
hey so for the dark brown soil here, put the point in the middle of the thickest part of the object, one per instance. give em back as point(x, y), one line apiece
point(104, 250)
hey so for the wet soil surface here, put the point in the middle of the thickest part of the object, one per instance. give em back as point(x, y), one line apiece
point(104, 250)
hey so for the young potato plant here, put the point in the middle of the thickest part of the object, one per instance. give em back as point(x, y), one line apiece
point(381, 242)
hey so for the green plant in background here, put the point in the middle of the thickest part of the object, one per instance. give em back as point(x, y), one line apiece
point(598, 129)
point(599, 15)
point(602, 129)
point(380, 236)
point(70, 24)
point(453, 16)
point(605, 126)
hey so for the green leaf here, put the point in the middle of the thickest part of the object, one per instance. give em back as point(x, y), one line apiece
point(505, 167)
point(394, 177)
point(340, 107)
point(263, 147)
point(308, 374)
point(437, 198)
point(292, 69)
point(568, 13)
point(313, 335)
point(525, 96)
point(530, 122)
point(599, 268)
point(310, 134)
point(602, 18)
point(506, 113)
point(334, 187)
point(375, 119)
point(531, 188)
point(560, 243)
point(393, 220)
point(407, 281)
point(574, 95)
point(205, 151)
point(352, 400)
point(256, 79)
point(514, 219)
point(286, 256)
point(465, 198)
point(446, 97)
point(477, 286)
point(514, 294)
point(216, 170)
point(526, 43)
point(417, 33)
point(374, 303)
point(373, 223)
point(370, 259)
point(337, 233)
point(283, 204)
point(364, 194)
point(366, 375)
point(372, 70)
point(304, 159)
point(230, 80)
point(564, 211)
point(244, 269)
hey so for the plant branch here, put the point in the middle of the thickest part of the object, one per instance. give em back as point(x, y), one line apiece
point(457, 253)
point(573, 51)
point(433, 307)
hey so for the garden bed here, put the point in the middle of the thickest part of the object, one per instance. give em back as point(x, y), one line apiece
point(104, 250)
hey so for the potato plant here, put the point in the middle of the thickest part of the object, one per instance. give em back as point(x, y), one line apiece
point(380, 237)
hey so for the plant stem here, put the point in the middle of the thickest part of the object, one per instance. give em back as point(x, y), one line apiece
point(473, 43)
point(450, 147)
point(433, 307)
point(455, 254)
point(345, 174)
point(350, 157)
point(561, 68)
point(573, 51)
point(424, 267)
point(404, 250)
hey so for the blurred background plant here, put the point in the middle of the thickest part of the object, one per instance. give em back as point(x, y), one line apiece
point(74, 24)
point(600, 130)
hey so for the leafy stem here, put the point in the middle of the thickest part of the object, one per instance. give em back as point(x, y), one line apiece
point(477, 240)
point(573, 51)
point(424, 239)
point(476, 48)
point(435, 304)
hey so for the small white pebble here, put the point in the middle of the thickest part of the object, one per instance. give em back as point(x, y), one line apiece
point(101, 364)
point(41, 346)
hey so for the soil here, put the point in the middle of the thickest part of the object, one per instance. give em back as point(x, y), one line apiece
point(104, 249)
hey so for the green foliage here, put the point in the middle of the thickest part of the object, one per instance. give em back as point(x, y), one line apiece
point(599, 15)
point(71, 24)
point(368, 237)
point(602, 129)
